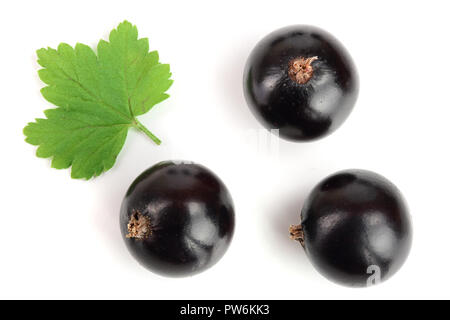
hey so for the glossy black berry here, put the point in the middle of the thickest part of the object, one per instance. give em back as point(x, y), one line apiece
point(177, 219)
point(301, 81)
point(355, 228)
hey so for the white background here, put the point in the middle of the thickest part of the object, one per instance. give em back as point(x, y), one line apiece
point(59, 238)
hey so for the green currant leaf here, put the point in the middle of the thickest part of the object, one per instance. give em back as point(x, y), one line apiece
point(98, 97)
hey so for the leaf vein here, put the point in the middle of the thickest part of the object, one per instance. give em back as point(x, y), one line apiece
point(89, 92)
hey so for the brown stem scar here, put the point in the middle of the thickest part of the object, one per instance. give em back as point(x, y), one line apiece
point(296, 233)
point(139, 226)
point(301, 70)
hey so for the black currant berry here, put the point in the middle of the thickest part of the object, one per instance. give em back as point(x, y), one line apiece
point(355, 228)
point(177, 219)
point(302, 81)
